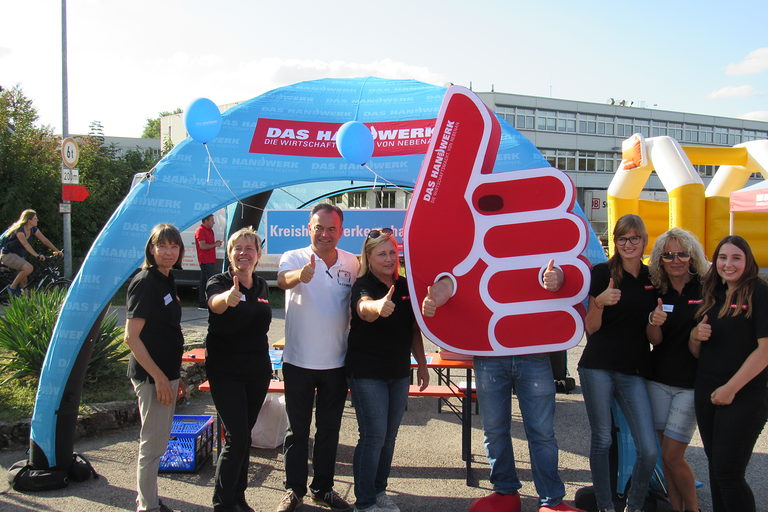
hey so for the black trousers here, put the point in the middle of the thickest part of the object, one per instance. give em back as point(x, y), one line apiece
point(300, 385)
point(238, 402)
point(729, 434)
point(207, 270)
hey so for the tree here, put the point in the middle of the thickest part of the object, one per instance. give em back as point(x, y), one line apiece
point(152, 127)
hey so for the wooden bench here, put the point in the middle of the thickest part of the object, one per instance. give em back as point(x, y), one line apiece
point(437, 390)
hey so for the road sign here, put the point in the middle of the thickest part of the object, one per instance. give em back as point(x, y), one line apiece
point(70, 176)
point(69, 152)
point(65, 207)
point(73, 192)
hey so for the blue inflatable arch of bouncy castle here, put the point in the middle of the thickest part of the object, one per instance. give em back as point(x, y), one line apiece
point(282, 138)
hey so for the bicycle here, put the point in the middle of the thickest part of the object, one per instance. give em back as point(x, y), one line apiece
point(42, 278)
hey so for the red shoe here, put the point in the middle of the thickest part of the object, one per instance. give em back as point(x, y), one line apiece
point(496, 503)
point(560, 507)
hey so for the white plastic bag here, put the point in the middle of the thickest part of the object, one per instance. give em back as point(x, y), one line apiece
point(272, 423)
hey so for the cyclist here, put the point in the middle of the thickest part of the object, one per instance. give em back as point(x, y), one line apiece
point(15, 245)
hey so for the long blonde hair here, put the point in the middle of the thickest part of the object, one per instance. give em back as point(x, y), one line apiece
point(25, 217)
point(698, 262)
point(372, 243)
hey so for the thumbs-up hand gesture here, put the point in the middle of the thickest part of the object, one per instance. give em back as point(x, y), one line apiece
point(233, 295)
point(703, 330)
point(658, 316)
point(428, 305)
point(385, 305)
point(552, 278)
point(609, 297)
point(308, 270)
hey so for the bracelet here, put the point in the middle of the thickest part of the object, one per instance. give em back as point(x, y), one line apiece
point(650, 315)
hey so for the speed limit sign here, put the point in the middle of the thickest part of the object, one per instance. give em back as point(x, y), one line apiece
point(70, 152)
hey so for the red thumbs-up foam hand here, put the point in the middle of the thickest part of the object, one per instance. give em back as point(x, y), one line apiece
point(493, 233)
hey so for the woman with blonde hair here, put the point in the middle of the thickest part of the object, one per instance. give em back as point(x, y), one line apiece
point(153, 333)
point(16, 245)
point(611, 366)
point(731, 342)
point(383, 335)
point(677, 267)
point(237, 362)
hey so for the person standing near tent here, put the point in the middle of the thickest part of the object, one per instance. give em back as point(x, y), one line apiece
point(383, 334)
point(620, 297)
point(318, 281)
point(153, 333)
point(16, 244)
point(731, 342)
point(237, 362)
point(206, 244)
point(677, 267)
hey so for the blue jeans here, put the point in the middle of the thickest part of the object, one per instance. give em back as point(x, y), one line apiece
point(531, 376)
point(379, 406)
point(600, 388)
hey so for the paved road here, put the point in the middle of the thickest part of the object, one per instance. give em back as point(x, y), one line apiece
point(427, 474)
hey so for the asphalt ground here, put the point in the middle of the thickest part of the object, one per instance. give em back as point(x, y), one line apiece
point(427, 473)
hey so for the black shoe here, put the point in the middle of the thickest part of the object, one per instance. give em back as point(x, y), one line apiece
point(243, 506)
point(330, 499)
point(289, 502)
point(163, 508)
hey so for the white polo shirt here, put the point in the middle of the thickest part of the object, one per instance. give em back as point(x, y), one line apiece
point(317, 313)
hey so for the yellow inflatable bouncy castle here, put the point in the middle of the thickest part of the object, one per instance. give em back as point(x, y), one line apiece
point(703, 212)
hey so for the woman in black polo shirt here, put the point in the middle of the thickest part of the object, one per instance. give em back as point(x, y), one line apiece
point(677, 267)
point(731, 342)
point(383, 335)
point(237, 362)
point(620, 297)
point(153, 333)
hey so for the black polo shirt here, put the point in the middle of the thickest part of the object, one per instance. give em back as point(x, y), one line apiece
point(671, 361)
point(380, 349)
point(152, 296)
point(733, 339)
point(621, 344)
point(236, 344)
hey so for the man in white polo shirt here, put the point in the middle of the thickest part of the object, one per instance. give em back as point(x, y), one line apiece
point(318, 280)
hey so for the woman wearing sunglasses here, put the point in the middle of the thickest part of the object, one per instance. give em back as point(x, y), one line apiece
point(620, 297)
point(677, 268)
point(383, 335)
point(731, 342)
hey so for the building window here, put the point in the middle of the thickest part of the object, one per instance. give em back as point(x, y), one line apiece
point(721, 136)
point(385, 199)
point(691, 133)
point(604, 125)
point(337, 199)
point(587, 123)
point(546, 120)
point(705, 170)
point(676, 130)
point(658, 128)
point(357, 200)
point(525, 119)
point(642, 127)
point(705, 134)
point(623, 127)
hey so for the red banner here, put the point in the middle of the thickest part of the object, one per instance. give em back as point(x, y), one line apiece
point(308, 138)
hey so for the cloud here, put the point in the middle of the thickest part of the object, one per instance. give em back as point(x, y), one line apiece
point(757, 115)
point(755, 62)
point(733, 91)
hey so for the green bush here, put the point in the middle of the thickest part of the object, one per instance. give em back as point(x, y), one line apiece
point(26, 328)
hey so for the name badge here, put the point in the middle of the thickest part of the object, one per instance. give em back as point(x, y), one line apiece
point(667, 308)
point(167, 299)
point(242, 298)
point(648, 287)
point(696, 301)
point(344, 278)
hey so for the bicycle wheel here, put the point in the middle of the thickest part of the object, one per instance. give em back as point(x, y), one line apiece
point(61, 282)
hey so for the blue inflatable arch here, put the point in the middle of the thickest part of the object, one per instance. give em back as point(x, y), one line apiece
point(279, 139)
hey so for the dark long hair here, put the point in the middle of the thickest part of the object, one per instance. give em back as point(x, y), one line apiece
point(741, 294)
point(624, 225)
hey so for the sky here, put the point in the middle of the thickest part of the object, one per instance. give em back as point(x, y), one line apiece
point(130, 60)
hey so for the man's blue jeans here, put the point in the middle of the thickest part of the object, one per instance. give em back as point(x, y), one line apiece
point(600, 387)
point(379, 406)
point(531, 377)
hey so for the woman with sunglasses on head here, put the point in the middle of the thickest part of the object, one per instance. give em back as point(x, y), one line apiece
point(677, 268)
point(611, 366)
point(237, 362)
point(731, 342)
point(383, 335)
point(153, 333)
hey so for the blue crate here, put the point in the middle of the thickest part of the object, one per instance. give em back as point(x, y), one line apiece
point(190, 444)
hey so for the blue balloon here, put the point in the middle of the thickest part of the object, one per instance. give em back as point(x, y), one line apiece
point(202, 120)
point(355, 142)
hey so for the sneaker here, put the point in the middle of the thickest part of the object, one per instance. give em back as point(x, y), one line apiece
point(386, 504)
point(289, 502)
point(202, 308)
point(164, 508)
point(496, 502)
point(330, 499)
point(243, 506)
point(14, 292)
point(560, 507)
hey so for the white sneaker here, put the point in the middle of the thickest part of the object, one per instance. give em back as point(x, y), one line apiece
point(386, 504)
